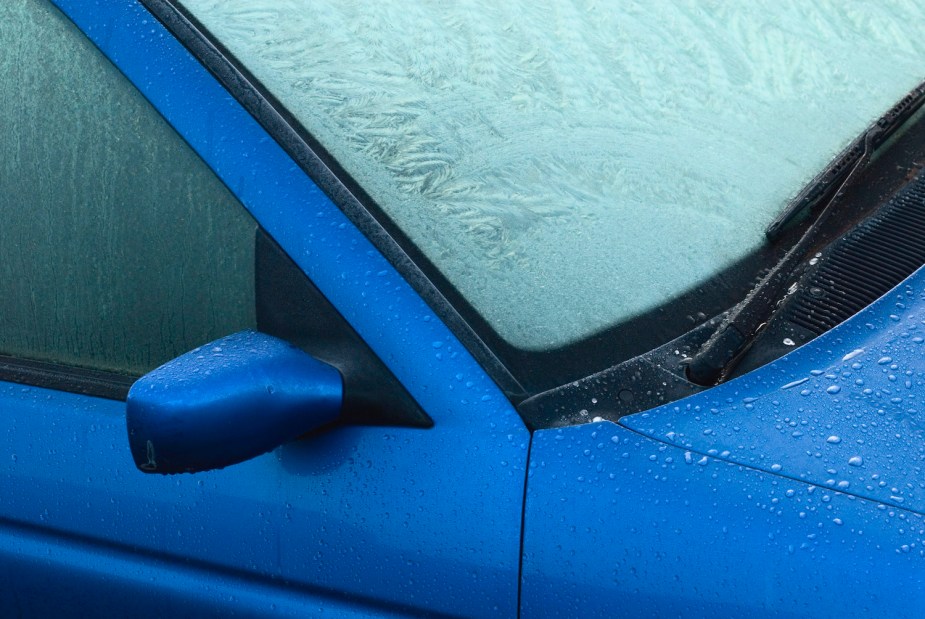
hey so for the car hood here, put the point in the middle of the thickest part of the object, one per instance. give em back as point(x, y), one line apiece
point(844, 412)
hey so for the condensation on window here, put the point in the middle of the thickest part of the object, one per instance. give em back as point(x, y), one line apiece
point(568, 165)
point(119, 248)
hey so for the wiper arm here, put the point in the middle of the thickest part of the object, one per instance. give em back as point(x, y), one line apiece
point(744, 322)
point(824, 186)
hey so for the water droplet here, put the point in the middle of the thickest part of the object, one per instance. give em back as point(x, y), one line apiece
point(789, 342)
point(795, 383)
point(835, 440)
point(851, 355)
point(856, 461)
point(776, 467)
point(884, 360)
point(833, 389)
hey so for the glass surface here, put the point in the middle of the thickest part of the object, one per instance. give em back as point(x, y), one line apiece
point(119, 248)
point(571, 165)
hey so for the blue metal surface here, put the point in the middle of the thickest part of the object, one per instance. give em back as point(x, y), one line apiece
point(50, 576)
point(844, 412)
point(234, 399)
point(794, 490)
point(369, 515)
point(398, 518)
point(620, 525)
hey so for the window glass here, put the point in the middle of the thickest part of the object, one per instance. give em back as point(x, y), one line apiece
point(119, 248)
point(571, 165)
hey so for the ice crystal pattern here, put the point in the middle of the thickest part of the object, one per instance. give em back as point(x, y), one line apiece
point(569, 165)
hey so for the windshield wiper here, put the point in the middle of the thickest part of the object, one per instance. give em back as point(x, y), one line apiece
point(824, 186)
point(745, 321)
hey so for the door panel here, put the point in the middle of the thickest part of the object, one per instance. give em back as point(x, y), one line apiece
point(43, 573)
point(404, 516)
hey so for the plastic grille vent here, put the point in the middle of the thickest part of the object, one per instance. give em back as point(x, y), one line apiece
point(869, 261)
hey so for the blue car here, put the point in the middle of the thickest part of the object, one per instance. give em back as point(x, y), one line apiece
point(472, 309)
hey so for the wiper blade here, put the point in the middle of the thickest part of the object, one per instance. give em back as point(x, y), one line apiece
point(824, 186)
point(744, 322)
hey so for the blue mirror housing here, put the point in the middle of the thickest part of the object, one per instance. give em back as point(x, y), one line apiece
point(228, 401)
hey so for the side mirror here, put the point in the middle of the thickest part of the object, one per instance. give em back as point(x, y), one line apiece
point(226, 402)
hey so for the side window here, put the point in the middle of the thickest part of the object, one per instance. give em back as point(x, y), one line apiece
point(119, 248)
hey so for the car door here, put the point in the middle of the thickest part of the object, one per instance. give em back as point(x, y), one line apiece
point(125, 243)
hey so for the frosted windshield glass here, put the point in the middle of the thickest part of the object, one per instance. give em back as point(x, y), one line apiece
point(570, 165)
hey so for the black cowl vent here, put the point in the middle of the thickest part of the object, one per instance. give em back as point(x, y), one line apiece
point(866, 263)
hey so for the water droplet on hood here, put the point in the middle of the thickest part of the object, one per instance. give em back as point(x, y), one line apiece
point(851, 355)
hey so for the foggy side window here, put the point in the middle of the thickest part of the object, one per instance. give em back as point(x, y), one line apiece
point(119, 248)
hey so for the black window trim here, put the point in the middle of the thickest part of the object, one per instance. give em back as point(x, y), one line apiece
point(459, 315)
point(74, 379)
point(513, 369)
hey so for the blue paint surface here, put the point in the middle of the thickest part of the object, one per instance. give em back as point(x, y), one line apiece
point(397, 518)
point(618, 524)
point(380, 515)
point(33, 568)
point(795, 490)
point(845, 411)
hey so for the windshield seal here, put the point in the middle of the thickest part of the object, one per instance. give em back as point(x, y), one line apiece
point(520, 373)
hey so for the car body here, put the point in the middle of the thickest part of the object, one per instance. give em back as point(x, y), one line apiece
point(794, 490)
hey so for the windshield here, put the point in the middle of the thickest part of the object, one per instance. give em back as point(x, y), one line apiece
point(569, 166)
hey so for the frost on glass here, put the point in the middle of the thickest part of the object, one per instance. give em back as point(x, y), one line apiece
point(119, 249)
point(569, 165)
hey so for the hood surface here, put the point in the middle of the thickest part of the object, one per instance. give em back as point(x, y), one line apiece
point(844, 412)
